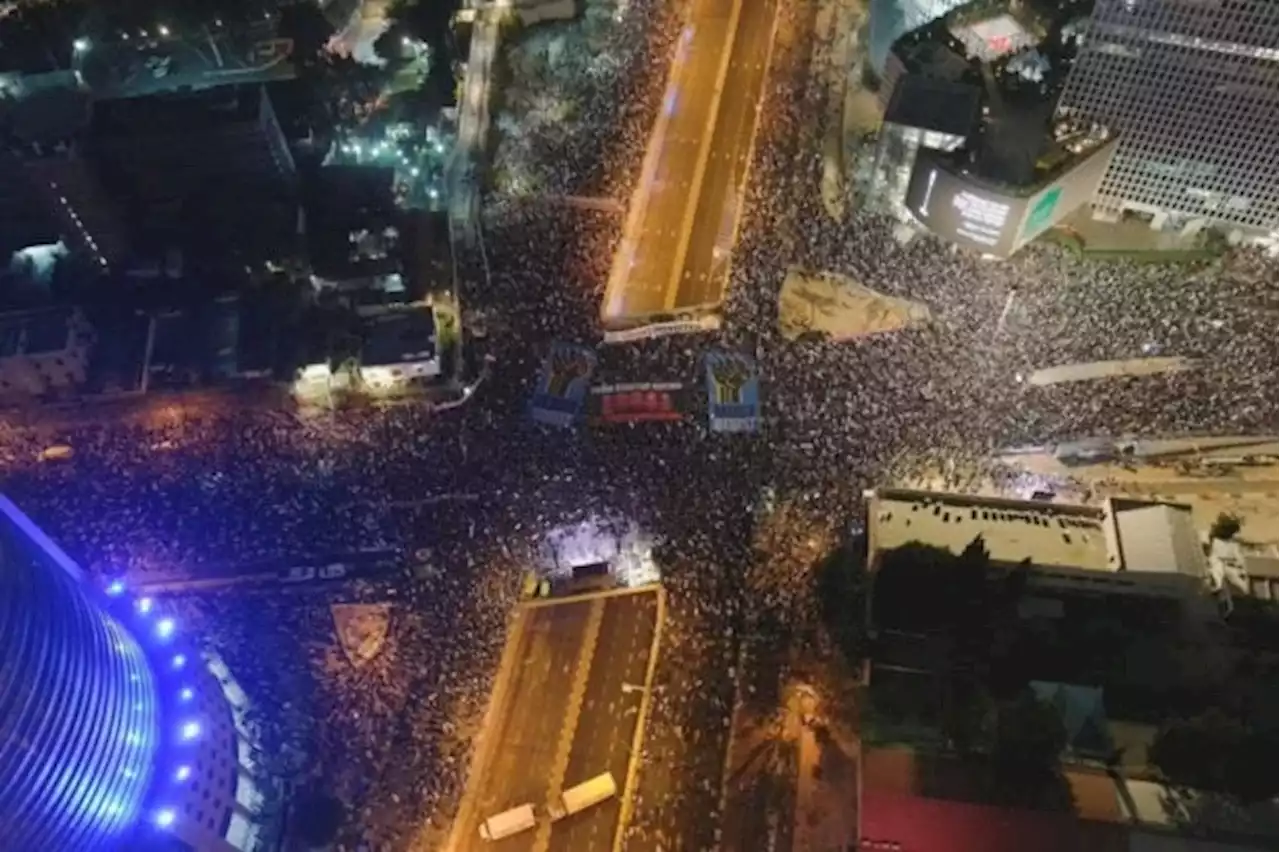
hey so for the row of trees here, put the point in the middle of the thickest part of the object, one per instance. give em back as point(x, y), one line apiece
point(38, 37)
point(341, 92)
point(429, 22)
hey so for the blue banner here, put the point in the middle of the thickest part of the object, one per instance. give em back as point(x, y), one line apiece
point(563, 384)
point(733, 392)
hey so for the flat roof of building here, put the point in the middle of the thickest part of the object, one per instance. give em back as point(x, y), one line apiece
point(1152, 537)
point(1049, 534)
point(1157, 538)
point(931, 103)
point(400, 337)
point(181, 113)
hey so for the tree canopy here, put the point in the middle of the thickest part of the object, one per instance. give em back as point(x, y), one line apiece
point(37, 37)
point(1029, 736)
point(1029, 739)
point(317, 816)
point(841, 580)
point(309, 29)
point(390, 45)
point(1215, 751)
point(429, 21)
point(1225, 527)
point(923, 587)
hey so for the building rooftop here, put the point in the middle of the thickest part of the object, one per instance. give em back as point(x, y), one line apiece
point(1050, 534)
point(399, 337)
point(1132, 536)
point(180, 114)
point(1157, 537)
point(47, 108)
point(1014, 58)
point(343, 202)
point(990, 38)
point(930, 103)
point(350, 193)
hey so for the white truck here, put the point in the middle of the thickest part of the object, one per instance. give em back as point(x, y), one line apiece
point(509, 822)
point(584, 795)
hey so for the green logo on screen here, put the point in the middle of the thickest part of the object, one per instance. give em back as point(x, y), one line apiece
point(1041, 214)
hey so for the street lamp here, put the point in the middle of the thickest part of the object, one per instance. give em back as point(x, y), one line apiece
point(80, 45)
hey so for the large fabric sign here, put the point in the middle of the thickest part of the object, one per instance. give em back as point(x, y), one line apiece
point(733, 392)
point(563, 384)
point(664, 329)
point(637, 402)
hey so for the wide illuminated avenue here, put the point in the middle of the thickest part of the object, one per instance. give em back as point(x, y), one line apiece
point(681, 223)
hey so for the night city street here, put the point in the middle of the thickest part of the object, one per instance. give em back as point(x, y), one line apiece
point(408, 443)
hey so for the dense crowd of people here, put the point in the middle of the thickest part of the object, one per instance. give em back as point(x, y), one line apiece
point(466, 495)
point(580, 103)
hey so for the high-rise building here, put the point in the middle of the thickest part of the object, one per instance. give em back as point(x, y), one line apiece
point(889, 20)
point(1190, 87)
point(209, 173)
point(115, 735)
point(79, 704)
point(970, 147)
point(173, 147)
point(49, 193)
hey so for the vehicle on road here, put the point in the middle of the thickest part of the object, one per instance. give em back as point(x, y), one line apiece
point(585, 795)
point(509, 822)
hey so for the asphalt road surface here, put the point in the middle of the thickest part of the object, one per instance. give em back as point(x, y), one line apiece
point(645, 280)
point(705, 275)
point(529, 726)
point(644, 273)
point(610, 707)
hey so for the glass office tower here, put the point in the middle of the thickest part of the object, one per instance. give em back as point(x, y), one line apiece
point(79, 715)
point(889, 20)
point(1190, 86)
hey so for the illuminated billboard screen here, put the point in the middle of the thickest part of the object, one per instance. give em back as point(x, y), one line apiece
point(960, 210)
point(1040, 214)
point(964, 210)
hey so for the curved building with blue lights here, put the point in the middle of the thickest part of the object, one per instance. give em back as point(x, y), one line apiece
point(113, 735)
